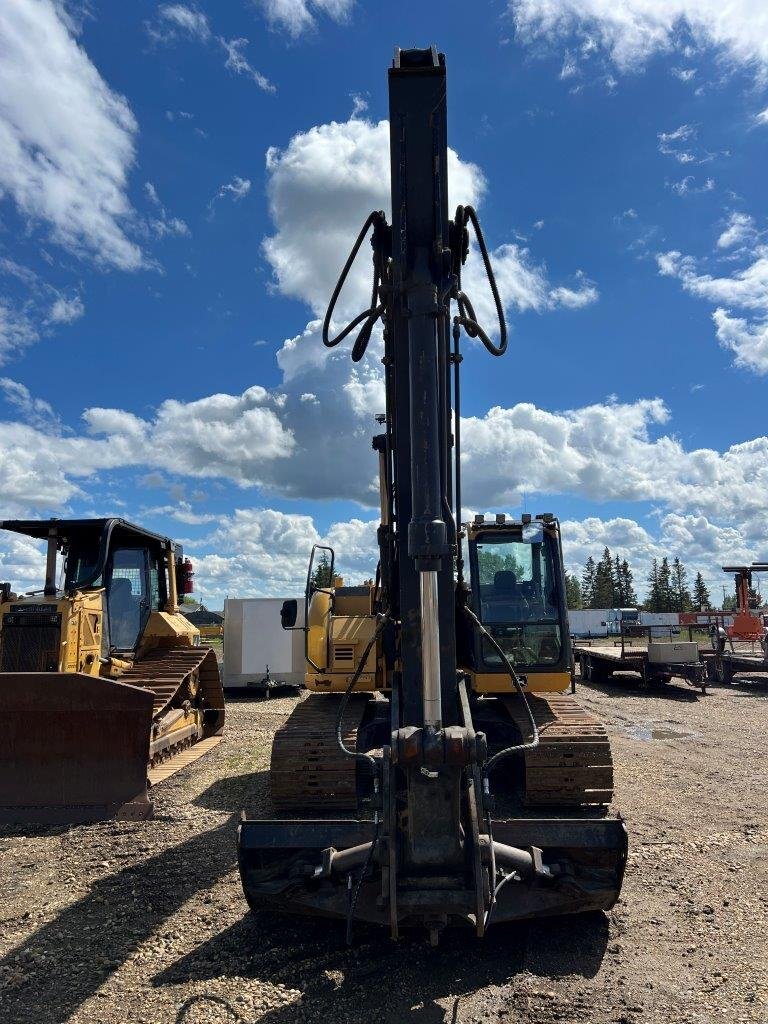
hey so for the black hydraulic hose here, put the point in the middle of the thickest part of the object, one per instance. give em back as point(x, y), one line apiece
point(357, 755)
point(457, 357)
point(519, 747)
point(360, 879)
point(371, 315)
point(467, 318)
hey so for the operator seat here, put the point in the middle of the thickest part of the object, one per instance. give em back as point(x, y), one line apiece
point(505, 603)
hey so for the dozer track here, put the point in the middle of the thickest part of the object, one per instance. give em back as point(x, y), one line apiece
point(308, 772)
point(572, 766)
point(182, 680)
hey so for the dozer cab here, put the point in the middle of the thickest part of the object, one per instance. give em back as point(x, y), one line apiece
point(440, 773)
point(103, 685)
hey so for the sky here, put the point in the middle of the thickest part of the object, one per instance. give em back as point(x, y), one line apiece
point(180, 185)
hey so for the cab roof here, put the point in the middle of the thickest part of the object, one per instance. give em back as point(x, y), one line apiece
point(67, 530)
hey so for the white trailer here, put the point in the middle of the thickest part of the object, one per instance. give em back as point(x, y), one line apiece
point(588, 622)
point(258, 653)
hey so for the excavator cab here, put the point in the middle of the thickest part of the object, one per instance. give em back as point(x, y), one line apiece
point(80, 742)
point(517, 591)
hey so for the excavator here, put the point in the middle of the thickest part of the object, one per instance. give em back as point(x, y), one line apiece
point(440, 772)
point(104, 687)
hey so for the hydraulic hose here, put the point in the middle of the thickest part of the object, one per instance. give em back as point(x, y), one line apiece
point(357, 755)
point(467, 317)
point(519, 748)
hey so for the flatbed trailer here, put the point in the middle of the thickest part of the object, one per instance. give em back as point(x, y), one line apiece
point(737, 663)
point(656, 662)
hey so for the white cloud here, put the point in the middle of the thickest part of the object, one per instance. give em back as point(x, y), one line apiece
point(633, 31)
point(22, 562)
point(687, 185)
point(762, 117)
point(745, 289)
point(188, 19)
point(238, 189)
point(163, 224)
point(740, 229)
point(176, 20)
point(66, 311)
point(66, 139)
point(264, 552)
point(321, 188)
point(701, 544)
point(33, 410)
point(684, 74)
point(237, 61)
point(299, 16)
point(17, 331)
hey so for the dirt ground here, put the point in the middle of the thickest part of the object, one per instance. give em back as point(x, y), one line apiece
point(145, 922)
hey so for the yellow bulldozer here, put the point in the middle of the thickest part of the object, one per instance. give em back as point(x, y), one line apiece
point(104, 687)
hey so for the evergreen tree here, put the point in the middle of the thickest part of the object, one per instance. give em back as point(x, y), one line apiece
point(701, 597)
point(680, 594)
point(618, 583)
point(729, 603)
point(629, 599)
point(603, 595)
point(588, 583)
point(653, 599)
point(665, 587)
point(572, 591)
point(321, 577)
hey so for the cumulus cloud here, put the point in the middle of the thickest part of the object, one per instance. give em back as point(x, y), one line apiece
point(746, 289)
point(66, 139)
point(703, 545)
point(299, 16)
point(264, 552)
point(634, 31)
point(327, 180)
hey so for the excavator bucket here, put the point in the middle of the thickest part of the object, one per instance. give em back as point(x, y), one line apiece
point(75, 748)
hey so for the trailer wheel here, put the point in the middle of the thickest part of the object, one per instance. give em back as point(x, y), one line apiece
point(586, 668)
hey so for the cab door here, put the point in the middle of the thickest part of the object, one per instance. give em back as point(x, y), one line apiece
point(128, 597)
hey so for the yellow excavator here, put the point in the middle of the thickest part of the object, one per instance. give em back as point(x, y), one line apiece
point(440, 774)
point(104, 687)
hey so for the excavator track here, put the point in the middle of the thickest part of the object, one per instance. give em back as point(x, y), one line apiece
point(188, 705)
point(308, 772)
point(572, 766)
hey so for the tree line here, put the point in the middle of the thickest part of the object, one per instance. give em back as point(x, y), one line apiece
point(609, 583)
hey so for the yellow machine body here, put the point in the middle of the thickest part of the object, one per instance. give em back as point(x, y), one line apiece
point(85, 718)
point(340, 625)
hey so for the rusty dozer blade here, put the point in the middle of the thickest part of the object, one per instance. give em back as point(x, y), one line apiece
point(74, 748)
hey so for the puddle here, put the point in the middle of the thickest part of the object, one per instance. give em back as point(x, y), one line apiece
point(658, 732)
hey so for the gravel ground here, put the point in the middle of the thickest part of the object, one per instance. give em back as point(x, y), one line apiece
point(145, 922)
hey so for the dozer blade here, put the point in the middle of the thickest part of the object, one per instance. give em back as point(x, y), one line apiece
point(73, 748)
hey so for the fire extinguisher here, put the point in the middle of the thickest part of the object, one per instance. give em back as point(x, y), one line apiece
point(185, 576)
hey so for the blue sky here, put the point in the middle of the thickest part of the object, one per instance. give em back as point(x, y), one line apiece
point(180, 185)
